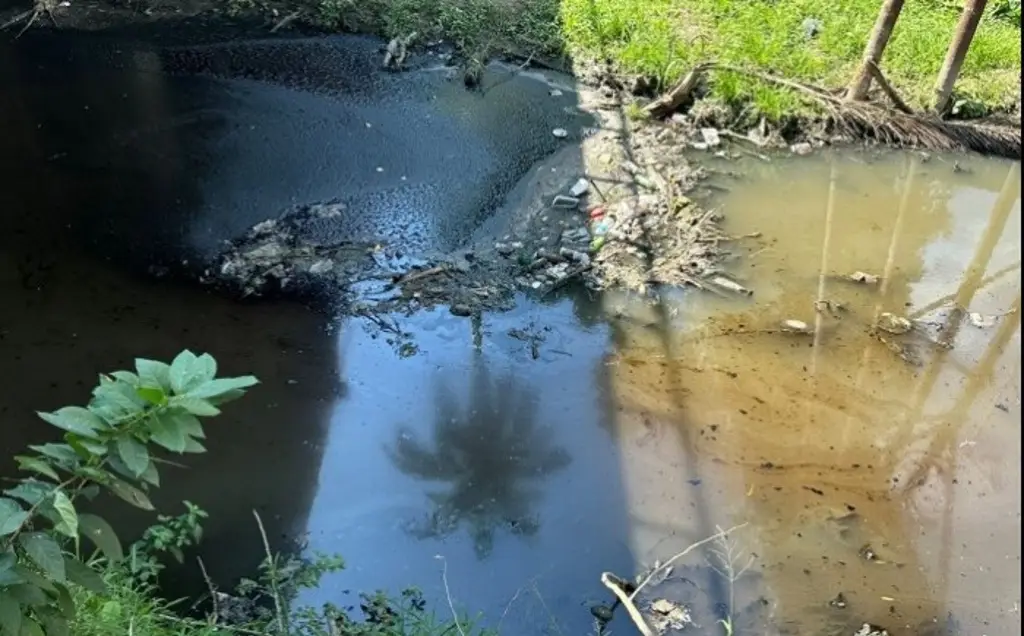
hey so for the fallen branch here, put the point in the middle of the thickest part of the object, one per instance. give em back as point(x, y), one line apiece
point(691, 548)
point(677, 95)
point(888, 89)
point(899, 127)
point(423, 273)
point(611, 582)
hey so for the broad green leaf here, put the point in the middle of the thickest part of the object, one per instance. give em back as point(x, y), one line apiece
point(81, 574)
point(118, 466)
point(65, 601)
point(11, 516)
point(150, 475)
point(151, 394)
point(102, 535)
point(10, 615)
point(68, 517)
point(54, 624)
point(60, 452)
point(31, 491)
point(28, 594)
point(127, 377)
point(38, 580)
point(208, 364)
point(36, 465)
point(30, 628)
point(44, 552)
point(75, 419)
point(167, 432)
point(8, 573)
point(220, 386)
point(92, 473)
point(131, 494)
point(186, 372)
point(224, 398)
point(154, 373)
point(133, 453)
point(193, 446)
point(121, 396)
point(85, 448)
point(91, 491)
point(196, 406)
point(187, 422)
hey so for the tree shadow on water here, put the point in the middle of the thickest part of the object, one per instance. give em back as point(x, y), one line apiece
point(491, 454)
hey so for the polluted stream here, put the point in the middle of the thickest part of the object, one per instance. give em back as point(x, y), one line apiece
point(871, 477)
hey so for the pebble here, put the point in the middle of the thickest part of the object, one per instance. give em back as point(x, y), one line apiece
point(802, 148)
point(561, 133)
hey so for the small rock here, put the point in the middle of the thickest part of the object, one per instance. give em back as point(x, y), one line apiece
point(459, 309)
point(576, 235)
point(802, 148)
point(579, 188)
point(812, 27)
point(536, 284)
point(554, 92)
point(680, 119)
point(560, 133)
point(710, 137)
point(699, 145)
point(503, 248)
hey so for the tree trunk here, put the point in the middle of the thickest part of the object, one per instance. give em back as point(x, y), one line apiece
point(858, 89)
point(965, 31)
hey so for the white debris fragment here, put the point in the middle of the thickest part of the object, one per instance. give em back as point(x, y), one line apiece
point(579, 188)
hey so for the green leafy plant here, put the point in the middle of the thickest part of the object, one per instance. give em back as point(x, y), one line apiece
point(111, 443)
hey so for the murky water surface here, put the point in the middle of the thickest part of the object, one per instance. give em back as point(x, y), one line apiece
point(875, 477)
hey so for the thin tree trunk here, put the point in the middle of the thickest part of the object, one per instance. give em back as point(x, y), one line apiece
point(965, 31)
point(884, 25)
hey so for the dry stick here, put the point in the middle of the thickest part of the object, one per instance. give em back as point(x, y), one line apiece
point(448, 595)
point(286, 20)
point(888, 89)
point(16, 19)
point(671, 100)
point(213, 590)
point(666, 564)
point(278, 607)
point(638, 618)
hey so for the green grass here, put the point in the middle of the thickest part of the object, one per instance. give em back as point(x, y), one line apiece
point(663, 38)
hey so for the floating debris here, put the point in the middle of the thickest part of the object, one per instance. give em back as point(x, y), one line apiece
point(891, 323)
point(562, 201)
point(711, 137)
point(864, 278)
point(830, 308)
point(561, 133)
point(667, 615)
point(579, 188)
point(797, 326)
point(981, 321)
point(728, 284)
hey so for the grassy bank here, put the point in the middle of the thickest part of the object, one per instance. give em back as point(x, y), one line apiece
point(662, 39)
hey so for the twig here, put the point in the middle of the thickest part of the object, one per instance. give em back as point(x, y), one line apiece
point(35, 15)
point(213, 590)
point(272, 567)
point(610, 581)
point(888, 89)
point(16, 19)
point(286, 20)
point(448, 594)
point(423, 273)
point(694, 546)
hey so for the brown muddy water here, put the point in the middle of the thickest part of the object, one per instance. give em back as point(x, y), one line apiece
point(516, 458)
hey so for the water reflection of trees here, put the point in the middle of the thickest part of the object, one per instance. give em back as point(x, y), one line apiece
point(491, 454)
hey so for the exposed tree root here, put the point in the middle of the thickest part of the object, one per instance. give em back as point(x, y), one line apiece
point(900, 127)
